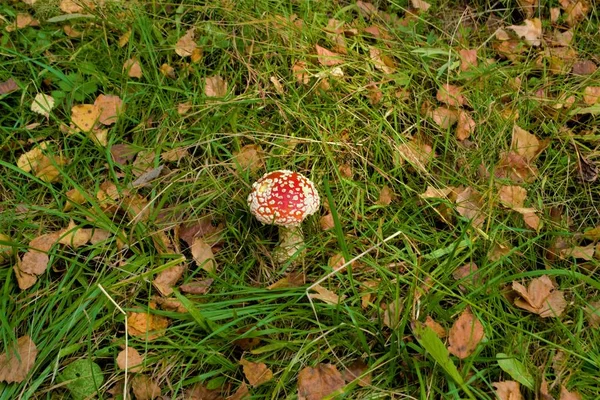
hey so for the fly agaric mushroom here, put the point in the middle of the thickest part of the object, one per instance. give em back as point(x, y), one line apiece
point(284, 198)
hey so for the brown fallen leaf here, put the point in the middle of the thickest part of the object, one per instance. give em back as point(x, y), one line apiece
point(512, 196)
point(292, 279)
point(318, 382)
point(197, 287)
point(203, 255)
point(591, 95)
point(130, 359)
point(443, 117)
point(468, 59)
point(85, 116)
point(469, 204)
point(242, 393)
point(450, 95)
point(146, 326)
point(583, 67)
point(515, 167)
point(256, 373)
point(593, 313)
point(326, 295)
point(531, 31)
point(166, 279)
point(8, 86)
point(385, 196)
point(24, 280)
point(327, 57)
point(74, 196)
point(16, 363)
point(186, 45)
point(326, 222)
point(540, 297)
point(420, 5)
point(76, 6)
point(508, 390)
point(35, 261)
point(354, 371)
point(465, 125)
point(123, 153)
point(174, 155)
point(566, 395)
point(109, 107)
point(73, 236)
point(416, 153)
point(168, 71)
point(200, 392)
point(574, 10)
point(524, 143)
point(215, 86)
point(382, 62)
point(196, 55)
point(580, 252)
point(250, 157)
point(439, 330)
point(133, 68)
point(22, 20)
point(392, 316)
point(465, 335)
point(467, 274)
point(145, 388)
point(300, 71)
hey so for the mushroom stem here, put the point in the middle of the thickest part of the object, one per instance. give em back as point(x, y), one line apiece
point(291, 242)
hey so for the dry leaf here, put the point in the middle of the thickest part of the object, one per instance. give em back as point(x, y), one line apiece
point(123, 153)
point(24, 280)
point(186, 45)
point(133, 68)
point(354, 371)
point(593, 314)
point(469, 204)
point(508, 390)
point(443, 117)
point(381, 61)
point(591, 95)
point(563, 38)
point(124, 38)
point(15, 366)
point(215, 86)
point(146, 326)
point(528, 7)
point(256, 373)
point(168, 71)
point(130, 359)
point(110, 107)
point(166, 279)
point(196, 55)
point(174, 155)
point(439, 330)
point(203, 255)
point(385, 196)
point(241, 394)
point(515, 167)
point(417, 154)
point(524, 143)
point(468, 59)
point(250, 157)
point(326, 222)
point(465, 335)
point(566, 395)
point(583, 67)
point(85, 116)
point(71, 32)
point(420, 5)
point(541, 297)
point(326, 295)
point(42, 104)
point(580, 252)
point(145, 388)
point(293, 279)
point(574, 10)
point(434, 193)
point(35, 261)
point(465, 125)
point(467, 274)
point(316, 383)
point(6, 250)
point(392, 316)
point(531, 220)
point(99, 235)
point(531, 31)
point(277, 84)
point(451, 95)
point(76, 6)
point(197, 287)
point(8, 86)
point(183, 108)
point(512, 196)
point(73, 236)
point(301, 73)
point(327, 58)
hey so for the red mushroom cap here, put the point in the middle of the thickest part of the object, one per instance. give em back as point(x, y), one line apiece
point(283, 198)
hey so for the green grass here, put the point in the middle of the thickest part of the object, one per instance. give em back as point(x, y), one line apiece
point(312, 131)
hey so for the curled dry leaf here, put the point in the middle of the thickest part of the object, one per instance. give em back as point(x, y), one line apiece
point(327, 57)
point(508, 390)
point(166, 279)
point(256, 373)
point(16, 363)
point(146, 326)
point(469, 204)
point(215, 86)
point(326, 295)
point(168, 71)
point(450, 95)
point(465, 335)
point(531, 31)
point(42, 104)
point(145, 388)
point(186, 45)
point(130, 359)
point(354, 371)
point(133, 68)
point(319, 382)
point(540, 297)
point(382, 62)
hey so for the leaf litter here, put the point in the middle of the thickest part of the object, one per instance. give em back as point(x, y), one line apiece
point(540, 297)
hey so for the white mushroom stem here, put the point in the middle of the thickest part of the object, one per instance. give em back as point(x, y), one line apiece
point(291, 241)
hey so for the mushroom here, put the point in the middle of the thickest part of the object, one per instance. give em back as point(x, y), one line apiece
point(284, 198)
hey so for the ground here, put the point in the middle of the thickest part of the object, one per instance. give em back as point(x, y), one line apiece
point(454, 146)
